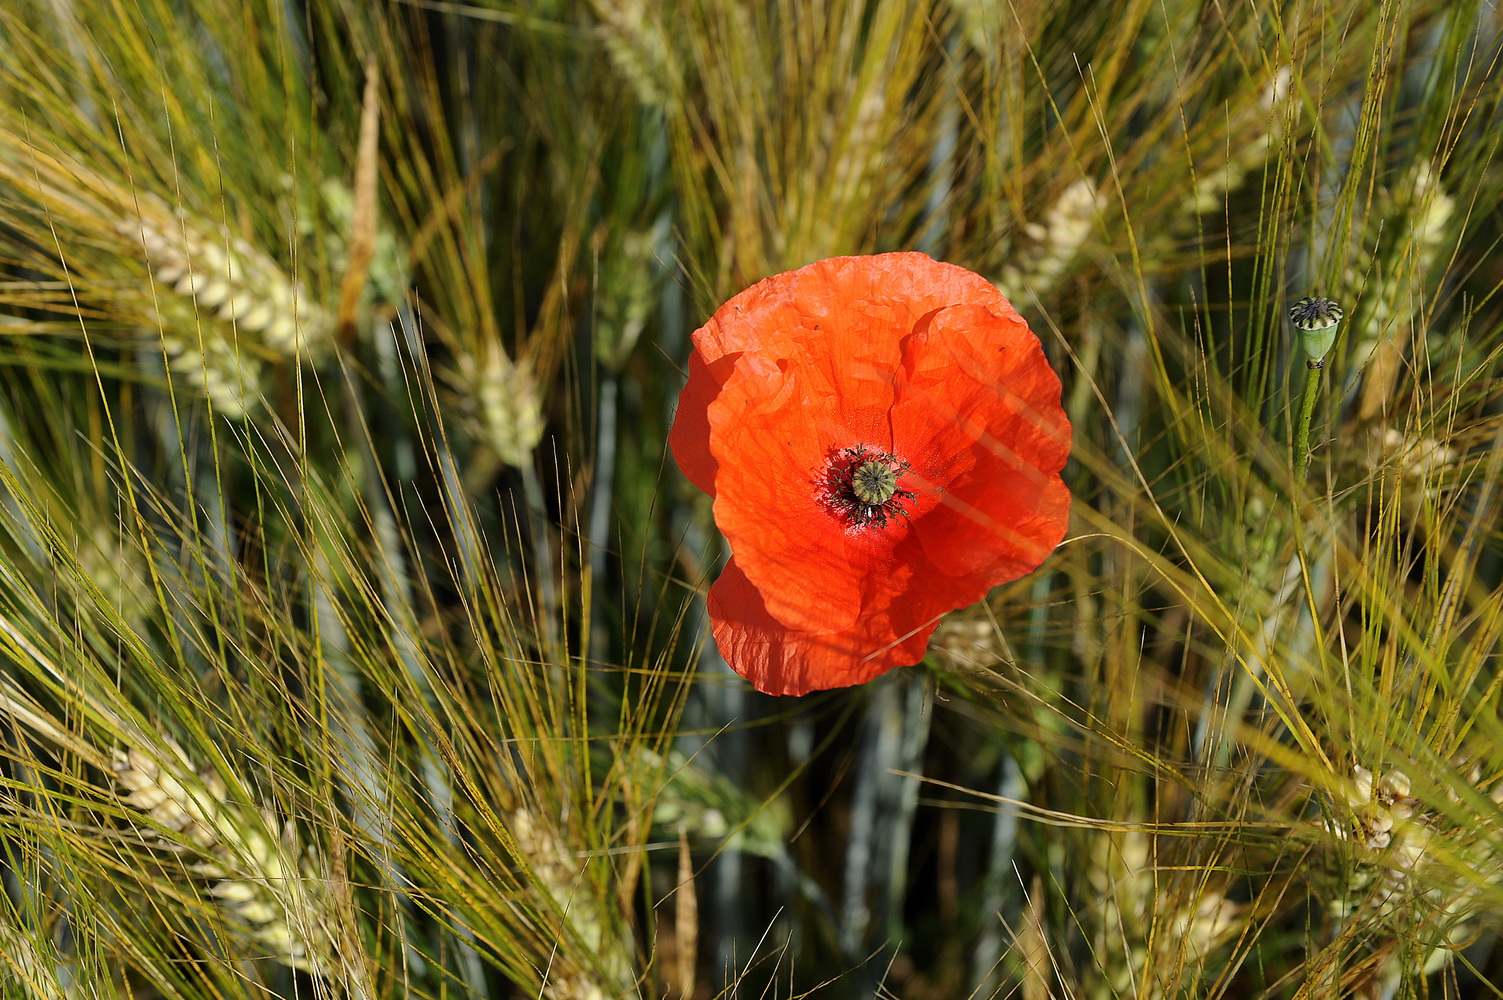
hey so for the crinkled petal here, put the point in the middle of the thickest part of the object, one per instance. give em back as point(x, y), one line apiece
point(883, 292)
point(793, 316)
point(786, 661)
point(996, 449)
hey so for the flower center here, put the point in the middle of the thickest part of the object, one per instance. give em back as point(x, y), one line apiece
point(862, 486)
point(874, 482)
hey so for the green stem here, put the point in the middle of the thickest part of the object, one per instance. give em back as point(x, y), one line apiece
point(1306, 410)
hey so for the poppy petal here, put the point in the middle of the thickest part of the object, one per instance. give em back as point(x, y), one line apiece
point(794, 307)
point(690, 435)
point(780, 660)
point(998, 447)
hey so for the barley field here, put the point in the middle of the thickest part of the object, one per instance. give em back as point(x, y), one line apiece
point(354, 635)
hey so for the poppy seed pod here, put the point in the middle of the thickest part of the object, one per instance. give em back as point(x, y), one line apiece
point(1315, 317)
point(883, 439)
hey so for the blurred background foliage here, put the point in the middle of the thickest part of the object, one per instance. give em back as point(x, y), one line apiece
point(350, 604)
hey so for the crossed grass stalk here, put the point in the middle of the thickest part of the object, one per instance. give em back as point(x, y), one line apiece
point(270, 889)
point(538, 901)
point(110, 776)
point(222, 307)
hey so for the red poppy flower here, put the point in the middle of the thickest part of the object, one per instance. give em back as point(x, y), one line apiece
point(883, 438)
